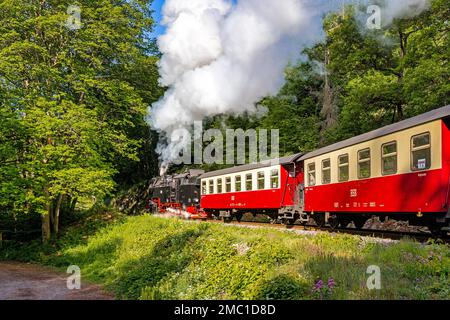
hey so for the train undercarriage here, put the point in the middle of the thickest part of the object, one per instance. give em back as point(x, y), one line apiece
point(437, 223)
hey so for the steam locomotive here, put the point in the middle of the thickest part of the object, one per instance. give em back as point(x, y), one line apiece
point(179, 192)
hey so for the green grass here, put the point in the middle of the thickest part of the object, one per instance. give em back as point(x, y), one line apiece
point(152, 258)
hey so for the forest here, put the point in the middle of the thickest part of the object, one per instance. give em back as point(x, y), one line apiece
point(74, 102)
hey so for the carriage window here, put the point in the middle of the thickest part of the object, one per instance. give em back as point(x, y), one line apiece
point(344, 169)
point(249, 182)
point(211, 186)
point(204, 189)
point(312, 174)
point(228, 184)
point(421, 152)
point(219, 186)
point(274, 179)
point(261, 180)
point(238, 183)
point(364, 164)
point(326, 171)
point(389, 158)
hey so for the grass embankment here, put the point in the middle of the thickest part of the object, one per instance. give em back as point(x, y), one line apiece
point(153, 258)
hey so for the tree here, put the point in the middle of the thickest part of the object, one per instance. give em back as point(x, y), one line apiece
point(384, 76)
point(74, 96)
point(295, 111)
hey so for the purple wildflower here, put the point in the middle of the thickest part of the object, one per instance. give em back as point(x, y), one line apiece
point(331, 283)
point(318, 286)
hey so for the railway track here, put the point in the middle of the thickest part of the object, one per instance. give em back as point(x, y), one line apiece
point(381, 234)
point(421, 237)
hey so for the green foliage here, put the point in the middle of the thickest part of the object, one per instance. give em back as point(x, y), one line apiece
point(86, 225)
point(73, 102)
point(384, 76)
point(294, 111)
point(281, 287)
point(153, 258)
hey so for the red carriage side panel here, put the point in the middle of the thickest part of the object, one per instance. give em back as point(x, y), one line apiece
point(268, 199)
point(424, 191)
point(263, 199)
point(408, 193)
point(446, 161)
point(258, 199)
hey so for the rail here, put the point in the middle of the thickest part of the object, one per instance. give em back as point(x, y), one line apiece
point(379, 234)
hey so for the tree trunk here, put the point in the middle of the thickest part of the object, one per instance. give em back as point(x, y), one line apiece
point(403, 40)
point(46, 225)
point(73, 204)
point(329, 109)
point(56, 212)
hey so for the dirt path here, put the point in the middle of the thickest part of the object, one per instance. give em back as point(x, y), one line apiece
point(30, 282)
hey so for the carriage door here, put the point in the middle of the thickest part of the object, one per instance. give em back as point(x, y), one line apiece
point(301, 192)
point(301, 186)
point(291, 185)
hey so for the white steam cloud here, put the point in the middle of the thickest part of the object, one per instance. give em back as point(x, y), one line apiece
point(403, 9)
point(220, 57)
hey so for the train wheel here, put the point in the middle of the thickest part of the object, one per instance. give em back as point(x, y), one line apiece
point(288, 222)
point(436, 230)
point(227, 219)
point(239, 217)
point(344, 222)
point(319, 219)
point(334, 222)
point(359, 223)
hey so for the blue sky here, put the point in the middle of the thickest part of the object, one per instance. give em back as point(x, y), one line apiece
point(157, 8)
point(321, 5)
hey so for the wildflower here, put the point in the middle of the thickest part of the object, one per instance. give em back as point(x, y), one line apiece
point(241, 248)
point(318, 286)
point(322, 290)
point(331, 283)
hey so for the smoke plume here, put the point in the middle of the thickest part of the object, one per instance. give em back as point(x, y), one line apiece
point(223, 56)
point(396, 9)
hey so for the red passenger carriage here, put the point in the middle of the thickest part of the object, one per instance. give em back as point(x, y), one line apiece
point(272, 188)
point(400, 171)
